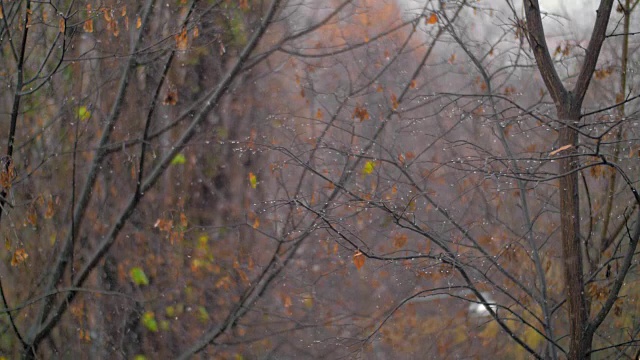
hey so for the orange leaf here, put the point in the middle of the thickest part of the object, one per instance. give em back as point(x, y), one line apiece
point(286, 301)
point(399, 240)
point(88, 26)
point(432, 19)
point(49, 212)
point(181, 40)
point(164, 225)
point(19, 257)
point(32, 217)
point(358, 259)
point(394, 102)
point(360, 113)
point(62, 25)
point(107, 14)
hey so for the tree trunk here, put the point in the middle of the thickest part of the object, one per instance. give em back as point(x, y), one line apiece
point(568, 105)
point(580, 346)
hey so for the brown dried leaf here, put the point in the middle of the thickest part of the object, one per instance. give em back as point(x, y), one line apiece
point(171, 98)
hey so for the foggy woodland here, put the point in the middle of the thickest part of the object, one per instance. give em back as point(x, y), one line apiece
point(319, 179)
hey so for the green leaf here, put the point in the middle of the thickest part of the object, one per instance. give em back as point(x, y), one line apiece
point(253, 180)
point(83, 113)
point(149, 321)
point(164, 325)
point(138, 276)
point(368, 167)
point(203, 314)
point(179, 159)
point(171, 311)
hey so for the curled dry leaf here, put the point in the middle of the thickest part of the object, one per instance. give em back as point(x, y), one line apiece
point(358, 259)
point(562, 148)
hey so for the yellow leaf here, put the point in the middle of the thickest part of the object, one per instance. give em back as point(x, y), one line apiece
point(308, 301)
point(253, 181)
point(358, 259)
point(368, 167)
point(488, 335)
point(532, 337)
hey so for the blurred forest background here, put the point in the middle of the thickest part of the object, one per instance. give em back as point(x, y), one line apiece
point(336, 179)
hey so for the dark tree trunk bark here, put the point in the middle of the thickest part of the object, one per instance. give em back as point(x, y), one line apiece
point(570, 230)
point(568, 105)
